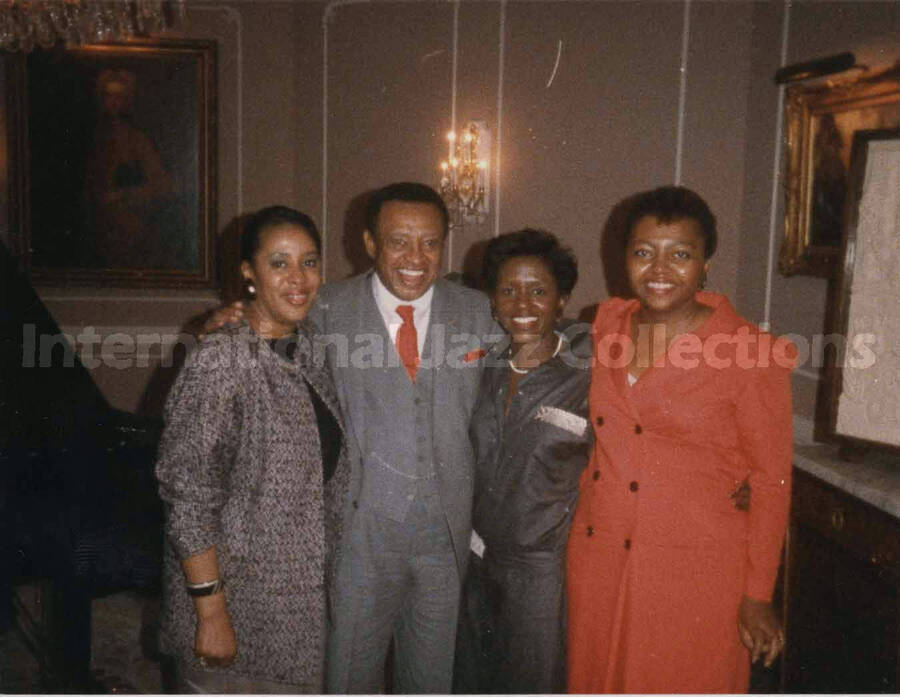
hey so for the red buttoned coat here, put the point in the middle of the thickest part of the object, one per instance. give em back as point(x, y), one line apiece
point(658, 556)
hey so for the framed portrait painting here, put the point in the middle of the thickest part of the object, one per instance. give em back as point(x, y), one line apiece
point(821, 121)
point(113, 152)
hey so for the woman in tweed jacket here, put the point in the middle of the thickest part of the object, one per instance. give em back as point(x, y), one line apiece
point(254, 474)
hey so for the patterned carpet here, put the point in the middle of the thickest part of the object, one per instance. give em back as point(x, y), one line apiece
point(18, 669)
point(123, 636)
point(124, 656)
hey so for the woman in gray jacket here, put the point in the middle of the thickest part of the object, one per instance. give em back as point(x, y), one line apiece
point(254, 473)
point(532, 441)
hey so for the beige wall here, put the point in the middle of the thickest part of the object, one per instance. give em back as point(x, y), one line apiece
point(619, 115)
point(571, 148)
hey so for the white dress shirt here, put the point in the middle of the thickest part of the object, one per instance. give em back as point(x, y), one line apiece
point(387, 304)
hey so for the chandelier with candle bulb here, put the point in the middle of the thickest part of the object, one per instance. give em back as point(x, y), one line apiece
point(26, 24)
point(464, 175)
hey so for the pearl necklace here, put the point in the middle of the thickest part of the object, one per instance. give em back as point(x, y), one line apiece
point(525, 372)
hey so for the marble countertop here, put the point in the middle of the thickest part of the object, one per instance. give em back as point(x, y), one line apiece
point(876, 480)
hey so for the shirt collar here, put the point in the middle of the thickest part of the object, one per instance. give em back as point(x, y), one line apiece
point(388, 302)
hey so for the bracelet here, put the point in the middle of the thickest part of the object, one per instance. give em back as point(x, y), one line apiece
point(198, 590)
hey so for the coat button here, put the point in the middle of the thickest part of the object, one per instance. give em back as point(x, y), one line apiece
point(633, 486)
point(596, 475)
point(590, 530)
point(627, 544)
point(638, 429)
point(356, 504)
point(599, 420)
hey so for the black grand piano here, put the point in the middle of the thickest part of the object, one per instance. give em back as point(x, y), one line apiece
point(79, 512)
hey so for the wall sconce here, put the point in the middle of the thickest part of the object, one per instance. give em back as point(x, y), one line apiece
point(464, 174)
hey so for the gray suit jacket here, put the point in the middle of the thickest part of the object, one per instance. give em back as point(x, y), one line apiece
point(366, 369)
point(364, 364)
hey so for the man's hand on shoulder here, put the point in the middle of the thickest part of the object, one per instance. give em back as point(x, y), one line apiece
point(226, 314)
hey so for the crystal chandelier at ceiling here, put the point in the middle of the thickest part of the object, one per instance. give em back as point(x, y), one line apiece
point(26, 24)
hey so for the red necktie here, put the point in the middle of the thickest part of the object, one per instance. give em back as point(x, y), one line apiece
point(408, 341)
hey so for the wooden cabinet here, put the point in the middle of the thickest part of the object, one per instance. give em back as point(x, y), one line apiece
point(843, 593)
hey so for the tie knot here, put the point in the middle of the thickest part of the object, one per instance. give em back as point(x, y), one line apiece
point(406, 313)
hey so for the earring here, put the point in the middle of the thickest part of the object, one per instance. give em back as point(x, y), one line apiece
point(703, 281)
point(250, 288)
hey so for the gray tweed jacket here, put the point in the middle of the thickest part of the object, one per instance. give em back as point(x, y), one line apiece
point(240, 468)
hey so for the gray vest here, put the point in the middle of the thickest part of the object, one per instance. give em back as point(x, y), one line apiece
point(398, 457)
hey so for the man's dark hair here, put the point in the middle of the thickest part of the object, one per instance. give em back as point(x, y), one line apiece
point(271, 217)
point(412, 192)
point(530, 243)
point(669, 204)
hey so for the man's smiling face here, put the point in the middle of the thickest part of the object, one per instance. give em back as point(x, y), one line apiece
point(407, 246)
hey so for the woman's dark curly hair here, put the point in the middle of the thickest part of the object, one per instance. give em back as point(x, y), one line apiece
point(669, 204)
point(530, 243)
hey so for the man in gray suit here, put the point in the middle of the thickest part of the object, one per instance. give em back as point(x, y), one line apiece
point(405, 350)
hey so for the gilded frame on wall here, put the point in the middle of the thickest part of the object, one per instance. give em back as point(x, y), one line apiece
point(820, 123)
point(113, 176)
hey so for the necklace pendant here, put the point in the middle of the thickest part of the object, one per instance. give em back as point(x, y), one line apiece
point(512, 366)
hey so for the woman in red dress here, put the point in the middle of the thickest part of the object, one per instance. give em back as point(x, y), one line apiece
point(669, 583)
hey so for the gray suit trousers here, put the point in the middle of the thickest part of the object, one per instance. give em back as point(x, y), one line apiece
point(406, 586)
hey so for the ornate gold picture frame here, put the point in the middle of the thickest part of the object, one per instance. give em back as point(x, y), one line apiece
point(113, 151)
point(820, 123)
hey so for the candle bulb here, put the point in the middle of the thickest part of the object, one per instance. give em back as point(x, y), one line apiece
point(451, 139)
